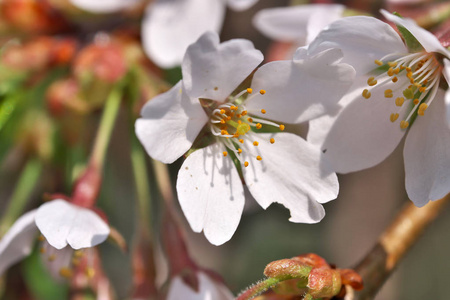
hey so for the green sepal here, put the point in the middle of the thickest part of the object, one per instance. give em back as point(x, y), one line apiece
point(411, 42)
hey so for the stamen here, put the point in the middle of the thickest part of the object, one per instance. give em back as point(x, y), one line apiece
point(422, 108)
point(66, 273)
point(263, 111)
point(224, 153)
point(371, 81)
point(258, 126)
point(249, 90)
point(240, 150)
point(404, 124)
point(378, 62)
point(272, 140)
point(388, 93)
point(255, 143)
point(399, 101)
point(246, 164)
point(394, 117)
point(366, 94)
point(282, 127)
point(394, 79)
point(258, 158)
point(262, 92)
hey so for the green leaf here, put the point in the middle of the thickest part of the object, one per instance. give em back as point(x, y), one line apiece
point(411, 42)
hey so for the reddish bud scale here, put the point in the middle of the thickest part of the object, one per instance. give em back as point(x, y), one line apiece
point(324, 282)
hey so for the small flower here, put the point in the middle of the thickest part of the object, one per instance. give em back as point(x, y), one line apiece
point(61, 224)
point(208, 288)
point(398, 89)
point(245, 130)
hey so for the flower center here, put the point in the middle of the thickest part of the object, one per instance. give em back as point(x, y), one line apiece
point(232, 124)
point(416, 79)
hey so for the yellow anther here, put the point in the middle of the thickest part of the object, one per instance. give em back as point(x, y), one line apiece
point(390, 72)
point(258, 157)
point(394, 79)
point(409, 75)
point(422, 89)
point(238, 116)
point(236, 135)
point(249, 90)
point(399, 101)
point(392, 64)
point(90, 272)
point(404, 124)
point(52, 257)
point(416, 101)
point(388, 93)
point(224, 153)
point(272, 140)
point(262, 92)
point(394, 117)
point(397, 70)
point(282, 127)
point(422, 108)
point(371, 81)
point(222, 121)
point(378, 62)
point(244, 112)
point(408, 69)
point(239, 150)
point(241, 141)
point(402, 68)
point(263, 111)
point(66, 272)
point(366, 94)
point(228, 118)
point(246, 164)
point(417, 85)
point(255, 143)
point(78, 253)
point(232, 107)
point(222, 111)
point(258, 126)
point(250, 120)
point(224, 132)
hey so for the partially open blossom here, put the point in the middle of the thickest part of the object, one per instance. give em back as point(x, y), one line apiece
point(245, 132)
point(64, 226)
point(398, 89)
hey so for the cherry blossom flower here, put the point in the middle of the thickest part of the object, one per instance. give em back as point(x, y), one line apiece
point(397, 90)
point(169, 27)
point(246, 132)
point(65, 227)
point(208, 288)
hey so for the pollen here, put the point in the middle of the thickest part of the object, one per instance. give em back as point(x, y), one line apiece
point(390, 72)
point(244, 112)
point(246, 164)
point(392, 64)
point(258, 126)
point(393, 117)
point(250, 120)
point(404, 124)
point(222, 111)
point(371, 81)
point(222, 121)
point(258, 158)
point(399, 101)
point(224, 153)
point(232, 107)
point(224, 132)
point(388, 93)
point(239, 150)
point(378, 62)
point(422, 108)
point(262, 92)
point(394, 79)
point(249, 90)
point(241, 141)
point(263, 111)
point(282, 127)
point(416, 101)
point(366, 94)
point(272, 140)
point(255, 143)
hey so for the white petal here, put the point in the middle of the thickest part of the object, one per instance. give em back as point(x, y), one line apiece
point(446, 73)
point(104, 6)
point(427, 155)
point(169, 27)
point(169, 125)
point(212, 70)
point(299, 90)
point(363, 135)
point(291, 172)
point(211, 193)
point(323, 15)
point(362, 40)
point(18, 241)
point(425, 38)
point(208, 289)
point(240, 5)
point(56, 259)
point(62, 223)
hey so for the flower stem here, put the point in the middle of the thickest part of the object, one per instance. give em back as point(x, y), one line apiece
point(394, 243)
point(258, 288)
point(88, 184)
point(22, 192)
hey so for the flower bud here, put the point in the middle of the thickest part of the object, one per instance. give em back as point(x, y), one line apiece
point(351, 278)
point(324, 282)
point(286, 269)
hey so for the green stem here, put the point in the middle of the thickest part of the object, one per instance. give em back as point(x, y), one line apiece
point(106, 126)
point(258, 288)
point(22, 192)
point(163, 181)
